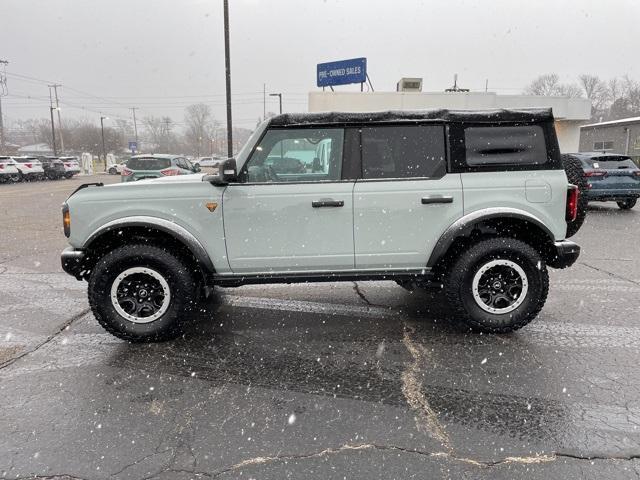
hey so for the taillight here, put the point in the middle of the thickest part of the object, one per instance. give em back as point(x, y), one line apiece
point(126, 172)
point(28, 165)
point(68, 165)
point(2, 166)
point(636, 173)
point(573, 195)
point(168, 172)
point(595, 173)
point(66, 220)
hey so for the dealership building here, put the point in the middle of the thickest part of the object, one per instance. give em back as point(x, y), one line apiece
point(617, 136)
point(570, 113)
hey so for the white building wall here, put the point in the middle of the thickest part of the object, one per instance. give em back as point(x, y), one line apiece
point(570, 113)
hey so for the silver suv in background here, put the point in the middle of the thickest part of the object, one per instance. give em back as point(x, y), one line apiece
point(475, 203)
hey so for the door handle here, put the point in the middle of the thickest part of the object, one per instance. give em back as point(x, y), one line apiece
point(437, 199)
point(327, 202)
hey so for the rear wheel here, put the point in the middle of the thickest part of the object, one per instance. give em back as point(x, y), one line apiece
point(498, 285)
point(113, 171)
point(575, 175)
point(627, 204)
point(142, 293)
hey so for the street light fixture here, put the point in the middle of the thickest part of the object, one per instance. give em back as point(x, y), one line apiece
point(104, 150)
point(279, 95)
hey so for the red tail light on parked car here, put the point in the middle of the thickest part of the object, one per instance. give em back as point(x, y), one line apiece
point(126, 172)
point(595, 173)
point(572, 203)
point(170, 172)
point(28, 165)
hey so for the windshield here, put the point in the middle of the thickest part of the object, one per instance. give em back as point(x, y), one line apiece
point(148, 163)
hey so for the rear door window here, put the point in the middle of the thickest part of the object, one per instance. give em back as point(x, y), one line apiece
point(508, 145)
point(405, 151)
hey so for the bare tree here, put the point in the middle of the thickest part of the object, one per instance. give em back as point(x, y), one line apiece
point(549, 85)
point(199, 128)
point(159, 135)
point(595, 90)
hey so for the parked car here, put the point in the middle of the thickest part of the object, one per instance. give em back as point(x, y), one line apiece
point(117, 168)
point(207, 161)
point(30, 168)
point(475, 203)
point(71, 166)
point(610, 177)
point(140, 167)
point(53, 167)
point(8, 170)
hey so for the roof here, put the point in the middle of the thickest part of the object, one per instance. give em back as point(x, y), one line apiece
point(444, 115)
point(597, 154)
point(156, 155)
point(614, 122)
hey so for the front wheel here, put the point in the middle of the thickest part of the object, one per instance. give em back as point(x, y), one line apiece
point(498, 285)
point(113, 171)
point(627, 204)
point(142, 293)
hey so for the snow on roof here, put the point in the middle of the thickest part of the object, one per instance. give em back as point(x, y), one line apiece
point(494, 115)
point(613, 122)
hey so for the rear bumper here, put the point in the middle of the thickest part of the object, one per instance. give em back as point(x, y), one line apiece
point(565, 254)
point(604, 194)
point(72, 260)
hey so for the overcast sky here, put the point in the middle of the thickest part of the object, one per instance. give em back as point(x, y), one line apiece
point(162, 55)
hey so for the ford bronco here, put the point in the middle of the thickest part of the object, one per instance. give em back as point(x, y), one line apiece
point(476, 203)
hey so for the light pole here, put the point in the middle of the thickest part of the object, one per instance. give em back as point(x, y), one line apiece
point(227, 68)
point(104, 150)
point(279, 95)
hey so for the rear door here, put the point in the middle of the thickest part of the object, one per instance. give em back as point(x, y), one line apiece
point(405, 199)
point(287, 213)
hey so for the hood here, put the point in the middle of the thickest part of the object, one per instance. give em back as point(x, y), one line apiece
point(173, 179)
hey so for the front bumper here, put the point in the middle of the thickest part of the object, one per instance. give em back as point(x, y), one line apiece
point(564, 254)
point(72, 260)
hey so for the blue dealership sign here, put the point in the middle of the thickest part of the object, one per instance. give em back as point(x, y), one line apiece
point(342, 72)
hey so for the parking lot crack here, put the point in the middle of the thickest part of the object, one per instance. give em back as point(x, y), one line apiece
point(426, 417)
point(360, 293)
point(611, 274)
point(47, 340)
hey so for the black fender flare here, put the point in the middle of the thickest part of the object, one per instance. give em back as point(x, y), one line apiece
point(466, 224)
point(176, 231)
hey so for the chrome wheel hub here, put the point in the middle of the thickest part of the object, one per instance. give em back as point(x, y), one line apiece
point(500, 286)
point(140, 295)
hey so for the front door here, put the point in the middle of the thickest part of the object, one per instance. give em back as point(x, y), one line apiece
point(405, 199)
point(291, 211)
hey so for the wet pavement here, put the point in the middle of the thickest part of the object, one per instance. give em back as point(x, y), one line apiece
point(341, 380)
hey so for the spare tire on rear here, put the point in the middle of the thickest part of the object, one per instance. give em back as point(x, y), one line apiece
point(575, 175)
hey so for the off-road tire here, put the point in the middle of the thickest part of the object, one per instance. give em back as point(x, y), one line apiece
point(627, 204)
point(575, 175)
point(459, 280)
point(182, 286)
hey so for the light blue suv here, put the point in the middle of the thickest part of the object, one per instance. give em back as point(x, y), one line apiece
point(477, 203)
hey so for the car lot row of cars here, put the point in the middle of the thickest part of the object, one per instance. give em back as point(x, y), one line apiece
point(140, 167)
point(17, 169)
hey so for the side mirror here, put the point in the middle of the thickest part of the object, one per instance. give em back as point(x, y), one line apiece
point(227, 173)
point(196, 168)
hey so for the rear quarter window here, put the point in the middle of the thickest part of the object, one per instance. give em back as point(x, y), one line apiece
point(508, 145)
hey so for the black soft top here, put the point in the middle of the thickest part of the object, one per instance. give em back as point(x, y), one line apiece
point(529, 115)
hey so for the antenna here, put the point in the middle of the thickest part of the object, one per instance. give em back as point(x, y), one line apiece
point(455, 87)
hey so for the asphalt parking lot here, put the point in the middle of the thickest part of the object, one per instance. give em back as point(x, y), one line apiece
point(343, 380)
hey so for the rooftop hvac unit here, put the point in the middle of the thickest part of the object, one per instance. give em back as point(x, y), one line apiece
point(409, 85)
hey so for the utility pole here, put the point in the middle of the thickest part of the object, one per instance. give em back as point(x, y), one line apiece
point(135, 125)
point(53, 125)
point(3, 91)
point(227, 68)
point(167, 131)
point(55, 88)
point(279, 95)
